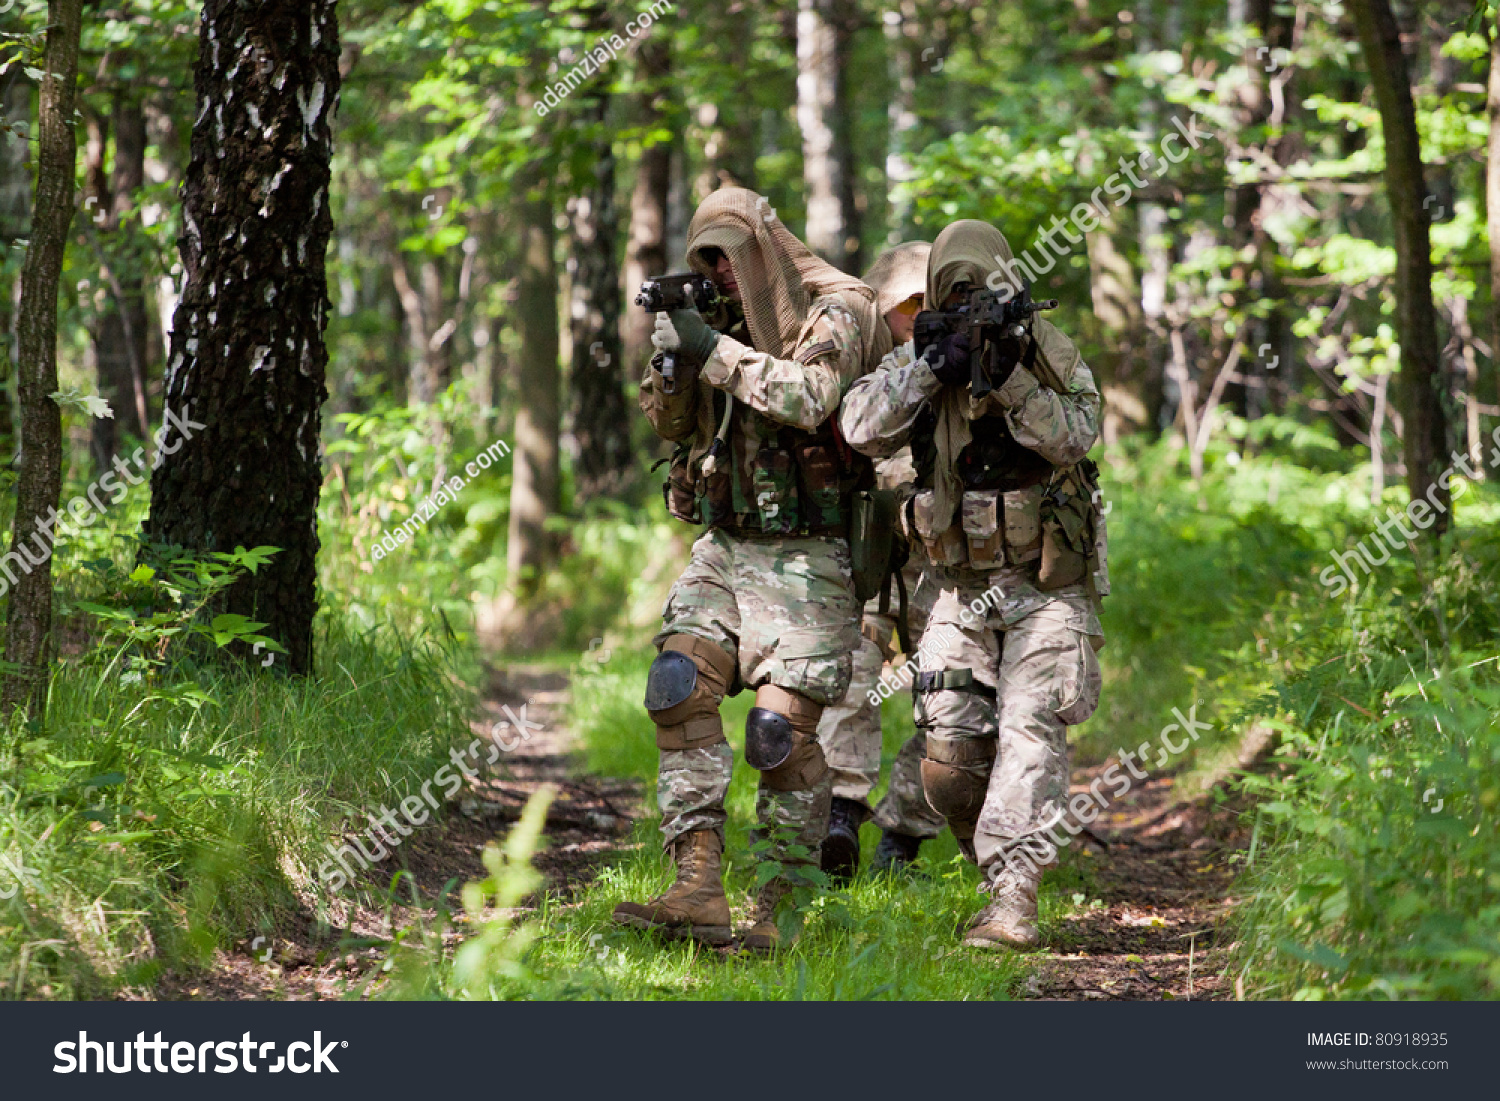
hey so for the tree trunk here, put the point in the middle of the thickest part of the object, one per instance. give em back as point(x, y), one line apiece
point(901, 116)
point(1426, 440)
point(1492, 194)
point(246, 375)
point(28, 629)
point(15, 224)
point(646, 250)
point(825, 119)
point(534, 480)
point(601, 423)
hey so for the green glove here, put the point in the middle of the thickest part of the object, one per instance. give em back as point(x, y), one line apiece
point(698, 340)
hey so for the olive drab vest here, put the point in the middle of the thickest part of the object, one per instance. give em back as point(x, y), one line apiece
point(771, 479)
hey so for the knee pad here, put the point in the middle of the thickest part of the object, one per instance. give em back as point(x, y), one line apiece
point(684, 686)
point(955, 778)
point(781, 740)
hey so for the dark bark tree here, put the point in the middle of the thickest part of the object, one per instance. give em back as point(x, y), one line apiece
point(15, 225)
point(28, 628)
point(601, 423)
point(1492, 192)
point(1426, 437)
point(534, 492)
point(247, 360)
point(646, 248)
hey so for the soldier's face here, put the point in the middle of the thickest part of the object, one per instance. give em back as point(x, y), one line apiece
point(903, 318)
point(723, 274)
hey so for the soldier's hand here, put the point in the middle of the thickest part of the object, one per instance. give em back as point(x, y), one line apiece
point(949, 359)
point(694, 337)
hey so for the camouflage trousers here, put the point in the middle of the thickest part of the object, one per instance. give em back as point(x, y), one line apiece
point(1033, 678)
point(784, 608)
point(849, 732)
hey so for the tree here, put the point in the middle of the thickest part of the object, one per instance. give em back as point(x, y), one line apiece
point(1426, 437)
point(601, 423)
point(824, 116)
point(646, 245)
point(28, 629)
point(246, 369)
point(535, 479)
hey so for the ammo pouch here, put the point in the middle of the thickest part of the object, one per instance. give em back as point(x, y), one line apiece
point(1068, 526)
point(872, 538)
point(994, 528)
point(678, 489)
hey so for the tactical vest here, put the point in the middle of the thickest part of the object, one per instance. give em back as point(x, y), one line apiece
point(771, 479)
point(1017, 508)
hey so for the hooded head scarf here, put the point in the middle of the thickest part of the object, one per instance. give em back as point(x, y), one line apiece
point(975, 252)
point(898, 274)
point(778, 276)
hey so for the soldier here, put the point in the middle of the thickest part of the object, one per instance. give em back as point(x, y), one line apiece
point(1005, 506)
point(849, 732)
point(767, 601)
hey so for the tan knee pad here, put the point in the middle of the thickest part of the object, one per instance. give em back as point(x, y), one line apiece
point(805, 766)
point(694, 722)
point(955, 777)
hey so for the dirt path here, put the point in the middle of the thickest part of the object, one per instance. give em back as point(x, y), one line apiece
point(1151, 928)
point(1156, 928)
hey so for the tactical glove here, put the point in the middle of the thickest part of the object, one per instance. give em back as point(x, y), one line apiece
point(696, 339)
point(949, 359)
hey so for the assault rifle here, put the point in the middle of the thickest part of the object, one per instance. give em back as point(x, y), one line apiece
point(676, 292)
point(997, 326)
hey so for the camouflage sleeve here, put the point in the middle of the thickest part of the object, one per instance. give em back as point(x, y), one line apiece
point(672, 416)
point(880, 410)
point(1060, 427)
point(803, 391)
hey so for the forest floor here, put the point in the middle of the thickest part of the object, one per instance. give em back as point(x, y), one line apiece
point(1159, 868)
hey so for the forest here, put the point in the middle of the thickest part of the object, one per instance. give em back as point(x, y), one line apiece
point(330, 501)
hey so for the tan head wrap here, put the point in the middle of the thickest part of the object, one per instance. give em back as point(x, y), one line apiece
point(975, 252)
point(898, 274)
point(778, 276)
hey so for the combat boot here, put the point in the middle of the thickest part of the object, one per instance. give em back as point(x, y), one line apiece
point(1009, 921)
point(764, 937)
point(695, 905)
point(840, 857)
point(897, 852)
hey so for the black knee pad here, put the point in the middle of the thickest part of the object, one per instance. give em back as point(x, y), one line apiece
point(769, 739)
point(683, 689)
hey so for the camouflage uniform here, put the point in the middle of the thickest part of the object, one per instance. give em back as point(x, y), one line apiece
point(850, 732)
point(1005, 667)
point(782, 605)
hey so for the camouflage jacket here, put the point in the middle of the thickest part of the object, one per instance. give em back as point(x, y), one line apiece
point(784, 471)
point(880, 411)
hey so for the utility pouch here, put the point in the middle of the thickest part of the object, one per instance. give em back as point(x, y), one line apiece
point(773, 481)
point(1067, 536)
point(818, 485)
point(682, 501)
point(981, 523)
point(1023, 524)
point(944, 548)
point(872, 535)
